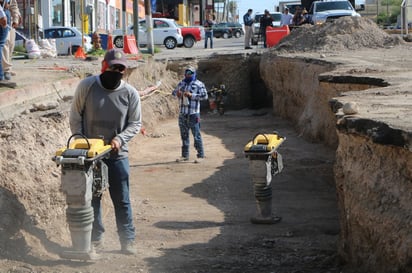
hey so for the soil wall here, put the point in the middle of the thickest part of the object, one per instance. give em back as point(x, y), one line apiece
point(372, 173)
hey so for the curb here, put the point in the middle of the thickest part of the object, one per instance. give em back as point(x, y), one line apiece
point(15, 101)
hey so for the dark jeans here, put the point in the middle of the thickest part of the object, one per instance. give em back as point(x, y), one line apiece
point(209, 35)
point(189, 123)
point(119, 193)
point(264, 40)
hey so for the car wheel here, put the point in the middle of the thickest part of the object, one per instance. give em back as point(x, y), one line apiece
point(188, 42)
point(225, 35)
point(254, 41)
point(237, 34)
point(118, 41)
point(72, 50)
point(170, 43)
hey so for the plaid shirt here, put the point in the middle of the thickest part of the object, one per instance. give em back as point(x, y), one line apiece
point(199, 92)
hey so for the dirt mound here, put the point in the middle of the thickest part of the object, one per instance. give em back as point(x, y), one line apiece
point(346, 33)
point(30, 196)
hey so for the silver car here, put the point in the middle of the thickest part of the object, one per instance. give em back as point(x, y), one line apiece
point(68, 39)
point(165, 32)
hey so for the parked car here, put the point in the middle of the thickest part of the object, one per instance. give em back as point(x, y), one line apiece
point(68, 39)
point(165, 32)
point(20, 39)
point(237, 29)
point(191, 35)
point(222, 30)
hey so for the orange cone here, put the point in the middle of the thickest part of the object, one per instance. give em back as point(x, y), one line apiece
point(109, 42)
point(129, 45)
point(80, 53)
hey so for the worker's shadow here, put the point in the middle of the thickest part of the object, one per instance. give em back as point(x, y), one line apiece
point(14, 224)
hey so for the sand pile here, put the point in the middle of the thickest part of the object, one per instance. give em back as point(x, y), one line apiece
point(346, 33)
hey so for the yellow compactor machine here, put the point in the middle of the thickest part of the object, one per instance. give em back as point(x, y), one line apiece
point(83, 175)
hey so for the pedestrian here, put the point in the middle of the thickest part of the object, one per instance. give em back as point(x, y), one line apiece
point(106, 106)
point(286, 18)
point(265, 21)
point(298, 18)
point(208, 25)
point(13, 11)
point(4, 30)
point(248, 22)
point(190, 91)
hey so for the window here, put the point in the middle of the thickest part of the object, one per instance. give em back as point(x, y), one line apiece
point(160, 24)
point(58, 12)
point(52, 34)
point(68, 33)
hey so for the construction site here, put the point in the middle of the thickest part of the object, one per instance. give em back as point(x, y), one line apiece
point(339, 95)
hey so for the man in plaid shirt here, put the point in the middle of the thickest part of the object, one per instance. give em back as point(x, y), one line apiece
point(190, 91)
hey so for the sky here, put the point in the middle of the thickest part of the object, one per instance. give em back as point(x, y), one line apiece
point(256, 5)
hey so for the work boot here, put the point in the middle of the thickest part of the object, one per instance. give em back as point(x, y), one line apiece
point(182, 159)
point(7, 76)
point(199, 159)
point(129, 248)
point(98, 246)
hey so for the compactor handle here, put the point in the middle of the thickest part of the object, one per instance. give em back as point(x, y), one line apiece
point(77, 134)
point(258, 134)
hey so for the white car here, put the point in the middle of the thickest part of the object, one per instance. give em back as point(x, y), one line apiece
point(165, 32)
point(328, 11)
point(68, 39)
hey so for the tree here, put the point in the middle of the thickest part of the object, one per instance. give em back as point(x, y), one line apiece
point(232, 8)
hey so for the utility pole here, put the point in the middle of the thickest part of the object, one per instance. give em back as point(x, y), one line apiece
point(36, 21)
point(82, 16)
point(124, 27)
point(136, 22)
point(149, 26)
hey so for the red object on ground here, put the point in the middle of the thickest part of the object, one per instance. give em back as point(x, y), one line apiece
point(275, 34)
point(129, 45)
point(80, 53)
point(109, 42)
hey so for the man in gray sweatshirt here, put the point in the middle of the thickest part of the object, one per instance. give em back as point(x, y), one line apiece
point(106, 106)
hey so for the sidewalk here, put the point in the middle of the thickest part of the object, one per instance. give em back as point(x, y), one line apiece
point(42, 80)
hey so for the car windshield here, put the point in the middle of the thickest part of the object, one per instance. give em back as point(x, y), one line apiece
point(160, 24)
point(324, 6)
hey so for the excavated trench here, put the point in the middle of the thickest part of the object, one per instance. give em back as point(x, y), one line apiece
point(372, 170)
point(373, 160)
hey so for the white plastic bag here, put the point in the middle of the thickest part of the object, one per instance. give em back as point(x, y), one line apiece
point(33, 49)
point(48, 48)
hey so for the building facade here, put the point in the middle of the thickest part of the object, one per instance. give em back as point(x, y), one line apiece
point(103, 16)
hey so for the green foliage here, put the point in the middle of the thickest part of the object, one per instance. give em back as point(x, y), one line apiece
point(20, 49)
point(389, 12)
point(232, 7)
point(96, 52)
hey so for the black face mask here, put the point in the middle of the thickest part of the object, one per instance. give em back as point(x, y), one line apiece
point(111, 79)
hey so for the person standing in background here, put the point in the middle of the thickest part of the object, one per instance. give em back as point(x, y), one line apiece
point(265, 21)
point(286, 18)
point(248, 22)
point(4, 30)
point(209, 30)
point(12, 8)
point(190, 91)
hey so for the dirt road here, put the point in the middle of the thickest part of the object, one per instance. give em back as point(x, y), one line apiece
point(195, 217)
